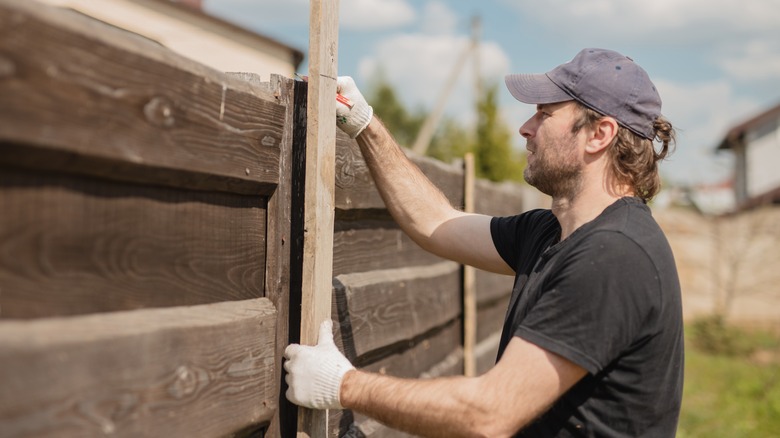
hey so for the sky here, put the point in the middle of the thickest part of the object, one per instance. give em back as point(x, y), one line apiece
point(715, 64)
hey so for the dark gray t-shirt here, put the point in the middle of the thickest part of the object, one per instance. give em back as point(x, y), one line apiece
point(608, 299)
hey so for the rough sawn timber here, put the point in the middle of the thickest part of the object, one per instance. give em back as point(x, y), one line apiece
point(184, 371)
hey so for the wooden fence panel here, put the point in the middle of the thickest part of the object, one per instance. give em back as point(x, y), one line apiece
point(134, 178)
point(383, 307)
point(98, 100)
point(72, 245)
point(156, 372)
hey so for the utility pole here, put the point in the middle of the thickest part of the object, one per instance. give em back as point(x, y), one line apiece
point(425, 135)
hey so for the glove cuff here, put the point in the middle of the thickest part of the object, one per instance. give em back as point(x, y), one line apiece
point(359, 118)
point(328, 388)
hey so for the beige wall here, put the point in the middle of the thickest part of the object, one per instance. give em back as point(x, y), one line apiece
point(202, 40)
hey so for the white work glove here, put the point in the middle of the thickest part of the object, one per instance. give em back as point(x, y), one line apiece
point(314, 373)
point(352, 120)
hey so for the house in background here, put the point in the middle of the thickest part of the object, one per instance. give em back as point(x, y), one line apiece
point(756, 147)
point(183, 27)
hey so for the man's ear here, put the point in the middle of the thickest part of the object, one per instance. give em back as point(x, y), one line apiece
point(603, 133)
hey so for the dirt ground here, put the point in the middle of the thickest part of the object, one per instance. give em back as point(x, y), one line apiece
point(729, 263)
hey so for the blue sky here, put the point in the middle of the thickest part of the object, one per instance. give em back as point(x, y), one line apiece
point(715, 63)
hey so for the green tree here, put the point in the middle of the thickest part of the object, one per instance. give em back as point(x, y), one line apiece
point(493, 154)
point(398, 120)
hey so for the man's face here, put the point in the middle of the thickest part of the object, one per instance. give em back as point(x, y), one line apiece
point(554, 153)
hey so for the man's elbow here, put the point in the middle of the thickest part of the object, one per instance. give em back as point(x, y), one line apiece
point(496, 424)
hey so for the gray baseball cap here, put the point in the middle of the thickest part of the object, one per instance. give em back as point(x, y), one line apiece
point(604, 81)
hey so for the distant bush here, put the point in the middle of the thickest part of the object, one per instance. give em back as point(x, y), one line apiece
point(713, 335)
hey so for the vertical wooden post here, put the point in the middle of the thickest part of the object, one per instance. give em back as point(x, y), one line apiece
point(469, 279)
point(319, 198)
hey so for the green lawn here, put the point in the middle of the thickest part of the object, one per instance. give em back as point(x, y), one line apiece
point(729, 390)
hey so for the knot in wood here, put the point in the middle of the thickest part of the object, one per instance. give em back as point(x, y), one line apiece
point(185, 382)
point(7, 67)
point(159, 112)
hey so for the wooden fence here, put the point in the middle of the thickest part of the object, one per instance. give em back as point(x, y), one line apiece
point(150, 245)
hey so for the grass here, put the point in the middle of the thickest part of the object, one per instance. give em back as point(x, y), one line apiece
point(732, 382)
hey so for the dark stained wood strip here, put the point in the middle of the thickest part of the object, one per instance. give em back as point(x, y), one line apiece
point(157, 372)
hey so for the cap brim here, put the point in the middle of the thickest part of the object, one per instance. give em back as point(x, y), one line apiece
point(535, 89)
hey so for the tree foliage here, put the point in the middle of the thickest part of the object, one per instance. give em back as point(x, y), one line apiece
point(494, 157)
point(490, 141)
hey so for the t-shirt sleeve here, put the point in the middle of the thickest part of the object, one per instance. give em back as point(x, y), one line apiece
point(511, 231)
point(593, 307)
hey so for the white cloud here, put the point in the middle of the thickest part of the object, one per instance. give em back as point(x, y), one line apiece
point(754, 60)
point(418, 66)
point(438, 18)
point(375, 14)
point(665, 20)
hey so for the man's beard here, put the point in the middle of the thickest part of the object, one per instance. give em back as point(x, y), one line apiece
point(555, 172)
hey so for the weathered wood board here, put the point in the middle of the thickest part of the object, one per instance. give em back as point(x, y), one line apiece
point(184, 371)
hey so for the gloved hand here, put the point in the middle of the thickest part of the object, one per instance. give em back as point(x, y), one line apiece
point(314, 373)
point(352, 120)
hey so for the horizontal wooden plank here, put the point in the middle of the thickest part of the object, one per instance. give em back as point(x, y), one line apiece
point(491, 287)
point(486, 353)
point(381, 247)
point(490, 317)
point(434, 356)
point(72, 245)
point(379, 308)
point(82, 96)
point(498, 199)
point(158, 372)
point(355, 187)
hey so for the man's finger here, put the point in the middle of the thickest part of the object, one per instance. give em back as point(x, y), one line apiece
point(291, 351)
point(326, 332)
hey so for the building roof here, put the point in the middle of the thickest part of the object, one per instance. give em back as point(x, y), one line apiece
point(198, 13)
point(736, 133)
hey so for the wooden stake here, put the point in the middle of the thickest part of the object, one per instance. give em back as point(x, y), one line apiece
point(469, 279)
point(319, 198)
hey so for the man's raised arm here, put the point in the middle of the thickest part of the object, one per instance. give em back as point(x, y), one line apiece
point(419, 207)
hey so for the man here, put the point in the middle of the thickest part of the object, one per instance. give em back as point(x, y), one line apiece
point(592, 343)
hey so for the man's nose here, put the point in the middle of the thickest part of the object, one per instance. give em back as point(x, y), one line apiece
point(528, 129)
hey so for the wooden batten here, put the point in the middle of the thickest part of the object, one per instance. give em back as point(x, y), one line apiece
point(185, 371)
point(318, 215)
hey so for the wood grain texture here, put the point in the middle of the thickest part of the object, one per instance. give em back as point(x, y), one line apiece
point(469, 279)
point(379, 308)
point(355, 188)
point(72, 245)
point(85, 97)
point(157, 372)
point(381, 247)
point(319, 187)
point(278, 241)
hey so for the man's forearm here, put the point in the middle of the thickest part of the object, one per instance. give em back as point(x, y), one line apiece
point(415, 203)
point(444, 407)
